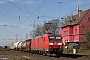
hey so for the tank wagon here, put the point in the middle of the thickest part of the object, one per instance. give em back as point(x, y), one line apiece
point(11, 46)
point(19, 46)
point(23, 46)
point(16, 45)
point(47, 44)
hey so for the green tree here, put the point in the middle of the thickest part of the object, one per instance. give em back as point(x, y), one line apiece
point(88, 36)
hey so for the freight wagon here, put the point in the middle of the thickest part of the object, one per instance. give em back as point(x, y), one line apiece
point(28, 45)
point(11, 46)
point(19, 46)
point(16, 45)
point(23, 46)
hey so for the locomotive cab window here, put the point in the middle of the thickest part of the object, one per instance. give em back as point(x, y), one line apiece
point(58, 37)
point(51, 38)
point(54, 37)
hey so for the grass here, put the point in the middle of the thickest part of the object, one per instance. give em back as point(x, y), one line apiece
point(79, 52)
point(84, 52)
point(14, 58)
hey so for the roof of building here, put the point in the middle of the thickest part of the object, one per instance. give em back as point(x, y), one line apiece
point(75, 19)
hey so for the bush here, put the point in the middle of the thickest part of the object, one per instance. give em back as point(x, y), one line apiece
point(88, 36)
point(88, 45)
point(88, 40)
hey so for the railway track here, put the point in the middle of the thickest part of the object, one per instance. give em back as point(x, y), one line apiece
point(17, 55)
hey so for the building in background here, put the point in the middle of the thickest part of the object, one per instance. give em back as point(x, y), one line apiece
point(76, 27)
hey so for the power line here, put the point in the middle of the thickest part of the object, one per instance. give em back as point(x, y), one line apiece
point(28, 11)
point(11, 16)
point(26, 5)
point(19, 15)
point(7, 12)
point(85, 5)
point(9, 25)
point(61, 2)
point(39, 6)
point(50, 16)
point(5, 15)
point(16, 37)
point(36, 9)
point(76, 9)
point(60, 8)
point(22, 9)
point(23, 13)
point(83, 2)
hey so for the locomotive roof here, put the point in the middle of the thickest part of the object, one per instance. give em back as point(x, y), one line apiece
point(38, 36)
point(45, 34)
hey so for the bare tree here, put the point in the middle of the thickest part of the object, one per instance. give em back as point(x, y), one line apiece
point(55, 26)
point(52, 26)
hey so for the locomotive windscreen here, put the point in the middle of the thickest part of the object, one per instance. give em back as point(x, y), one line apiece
point(54, 37)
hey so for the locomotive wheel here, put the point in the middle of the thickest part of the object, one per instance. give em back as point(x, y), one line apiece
point(45, 53)
point(40, 52)
point(51, 55)
point(58, 55)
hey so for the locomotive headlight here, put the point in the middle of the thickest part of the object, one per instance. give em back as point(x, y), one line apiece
point(59, 43)
point(50, 43)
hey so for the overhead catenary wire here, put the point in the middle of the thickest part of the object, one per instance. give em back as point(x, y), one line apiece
point(22, 9)
point(83, 2)
point(39, 6)
point(10, 15)
point(26, 5)
point(28, 11)
point(6, 16)
point(19, 15)
point(85, 5)
point(23, 12)
point(76, 9)
point(45, 15)
point(59, 1)
point(36, 10)
point(7, 12)
point(59, 8)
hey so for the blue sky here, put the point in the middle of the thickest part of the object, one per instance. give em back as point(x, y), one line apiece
point(19, 15)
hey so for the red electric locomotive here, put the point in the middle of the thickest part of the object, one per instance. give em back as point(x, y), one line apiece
point(47, 44)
